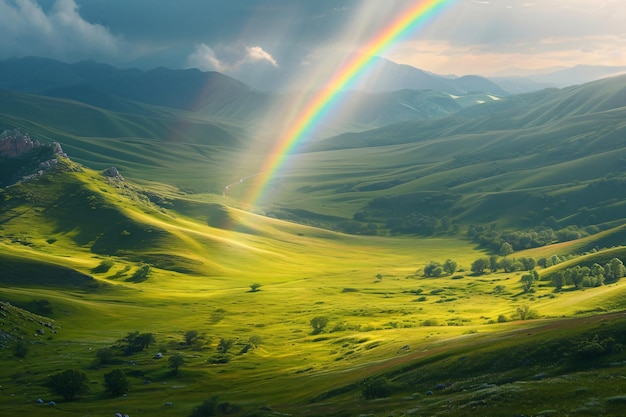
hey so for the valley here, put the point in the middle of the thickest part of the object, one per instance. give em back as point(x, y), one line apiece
point(371, 277)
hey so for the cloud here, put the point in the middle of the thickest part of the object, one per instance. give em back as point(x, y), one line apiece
point(256, 53)
point(59, 33)
point(229, 59)
point(204, 58)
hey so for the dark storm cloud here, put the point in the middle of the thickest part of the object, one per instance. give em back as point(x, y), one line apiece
point(214, 21)
point(241, 35)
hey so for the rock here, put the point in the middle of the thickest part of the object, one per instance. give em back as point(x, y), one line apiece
point(112, 172)
point(40, 401)
point(14, 144)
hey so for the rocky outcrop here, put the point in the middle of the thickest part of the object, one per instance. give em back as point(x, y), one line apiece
point(14, 144)
point(112, 172)
point(22, 158)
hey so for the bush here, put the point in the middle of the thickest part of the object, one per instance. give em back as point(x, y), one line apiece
point(69, 384)
point(141, 274)
point(175, 362)
point(191, 336)
point(376, 388)
point(224, 345)
point(115, 382)
point(319, 323)
point(206, 409)
point(103, 267)
point(104, 356)
point(137, 342)
point(21, 349)
point(526, 313)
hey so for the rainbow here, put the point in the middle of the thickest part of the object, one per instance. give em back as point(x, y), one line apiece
point(409, 20)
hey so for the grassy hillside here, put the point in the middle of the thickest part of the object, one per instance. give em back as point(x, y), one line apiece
point(556, 154)
point(276, 317)
point(202, 260)
point(167, 264)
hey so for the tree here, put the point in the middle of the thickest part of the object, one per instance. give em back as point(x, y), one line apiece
point(493, 263)
point(597, 275)
point(115, 382)
point(191, 336)
point(206, 409)
point(319, 323)
point(144, 340)
point(437, 272)
point(224, 345)
point(104, 356)
point(525, 313)
point(69, 384)
point(449, 266)
point(576, 275)
point(430, 268)
point(255, 287)
point(527, 282)
point(175, 362)
point(479, 265)
point(528, 264)
point(558, 280)
point(506, 249)
point(508, 264)
point(137, 342)
point(614, 270)
point(376, 388)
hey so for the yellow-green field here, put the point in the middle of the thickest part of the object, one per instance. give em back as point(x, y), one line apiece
point(383, 314)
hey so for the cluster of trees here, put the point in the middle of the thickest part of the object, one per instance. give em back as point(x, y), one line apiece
point(594, 276)
point(436, 269)
point(354, 227)
point(136, 342)
point(212, 407)
point(507, 264)
point(491, 238)
point(415, 223)
point(73, 383)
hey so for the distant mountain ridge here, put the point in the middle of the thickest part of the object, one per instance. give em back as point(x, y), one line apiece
point(132, 91)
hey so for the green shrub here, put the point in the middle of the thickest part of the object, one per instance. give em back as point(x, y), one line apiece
point(376, 388)
point(69, 384)
point(115, 382)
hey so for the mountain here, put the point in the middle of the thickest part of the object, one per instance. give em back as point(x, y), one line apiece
point(579, 74)
point(529, 81)
point(383, 75)
point(214, 95)
point(103, 85)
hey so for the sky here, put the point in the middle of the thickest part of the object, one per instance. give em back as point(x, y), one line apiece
point(246, 37)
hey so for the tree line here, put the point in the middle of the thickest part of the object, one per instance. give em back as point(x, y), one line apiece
point(491, 238)
point(589, 276)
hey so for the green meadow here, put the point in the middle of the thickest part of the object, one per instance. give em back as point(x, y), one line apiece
point(330, 295)
point(384, 317)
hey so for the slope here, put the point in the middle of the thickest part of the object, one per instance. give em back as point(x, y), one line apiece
point(517, 162)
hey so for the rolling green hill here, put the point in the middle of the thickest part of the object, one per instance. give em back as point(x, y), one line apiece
point(268, 317)
point(515, 162)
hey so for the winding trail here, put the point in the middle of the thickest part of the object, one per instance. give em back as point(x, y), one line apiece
point(241, 180)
